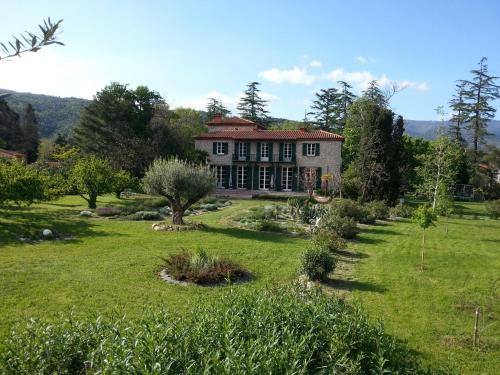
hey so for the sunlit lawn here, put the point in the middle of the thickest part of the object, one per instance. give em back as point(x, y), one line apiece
point(113, 264)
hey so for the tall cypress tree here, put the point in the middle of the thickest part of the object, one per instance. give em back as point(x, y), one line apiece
point(459, 116)
point(375, 94)
point(31, 139)
point(347, 97)
point(251, 106)
point(481, 91)
point(11, 135)
point(216, 107)
point(326, 109)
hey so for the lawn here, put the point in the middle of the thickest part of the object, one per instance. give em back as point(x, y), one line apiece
point(112, 264)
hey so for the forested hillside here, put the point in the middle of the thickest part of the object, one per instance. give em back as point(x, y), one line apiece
point(55, 114)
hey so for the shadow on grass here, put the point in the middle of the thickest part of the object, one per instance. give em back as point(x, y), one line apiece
point(491, 240)
point(28, 222)
point(350, 285)
point(351, 254)
point(248, 234)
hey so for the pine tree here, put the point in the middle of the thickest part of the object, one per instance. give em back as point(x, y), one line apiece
point(251, 106)
point(459, 117)
point(346, 99)
point(215, 107)
point(481, 91)
point(375, 94)
point(326, 109)
point(31, 139)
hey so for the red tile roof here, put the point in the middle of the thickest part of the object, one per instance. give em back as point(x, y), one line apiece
point(218, 121)
point(272, 135)
point(11, 154)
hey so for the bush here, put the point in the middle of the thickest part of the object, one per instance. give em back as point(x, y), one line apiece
point(201, 268)
point(326, 239)
point(269, 226)
point(401, 210)
point(316, 264)
point(145, 215)
point(344, 226)
point(277, 331)
point(157, 202)
point(377, 210)
point(347, 208)
point(493, 208)
point(107, 211)
point(209, 207)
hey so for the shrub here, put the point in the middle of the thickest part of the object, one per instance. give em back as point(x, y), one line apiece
point(344, 226)
point(377, 210)
point(145, 215)
point(157, 202)
point(269, 226)
point(107, 211)
point(209, 207)
point(263, 330)
point(493, 208)
point(316, 264)
point(327, 239)
point(201, 268)
point(401, 210)
point(347, 208)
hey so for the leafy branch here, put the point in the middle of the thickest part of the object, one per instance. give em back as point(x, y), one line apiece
point(30, 42)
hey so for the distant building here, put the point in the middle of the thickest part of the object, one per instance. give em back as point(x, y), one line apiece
point(9, 154)
point(246, 156)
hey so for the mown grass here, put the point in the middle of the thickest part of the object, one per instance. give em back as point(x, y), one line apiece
point(434, 310)
point(112, 265)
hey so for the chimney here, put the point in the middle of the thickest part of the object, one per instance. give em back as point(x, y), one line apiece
point(217, 117)
point(303, 129)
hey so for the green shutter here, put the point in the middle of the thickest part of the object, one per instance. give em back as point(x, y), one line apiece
point(270, 151)
point(248, 151)
point(281, 152)
point(301, 175)
point(249, 177)
point(277, 180)
point(317, 149)
point(304, 149)
point(214, 148)
point(226, 176)
point(234, 177)
point(236, 151)
point(225, 148)
point(256, 178)
point(295, 179)
point(258, 151)
point(294, 146)
point(318, 178)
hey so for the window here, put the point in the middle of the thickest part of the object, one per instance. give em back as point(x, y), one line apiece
point(264, 178)
point(286, 179)
point(242, 151)
point(219, 176)
point(264, 151)
point(220, 148)
point(311, 149)
point(242, 177)
point(287, 151)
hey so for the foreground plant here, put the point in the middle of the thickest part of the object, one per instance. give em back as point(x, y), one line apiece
point(181, 182)
point(201, 268)
point(285, 330)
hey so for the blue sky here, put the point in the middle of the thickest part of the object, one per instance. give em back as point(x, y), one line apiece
point(188, 50)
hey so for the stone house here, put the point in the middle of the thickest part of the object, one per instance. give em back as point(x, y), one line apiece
point(244, 155)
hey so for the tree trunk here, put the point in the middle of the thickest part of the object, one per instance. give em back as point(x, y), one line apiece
point(92, 201)
point(177, 214)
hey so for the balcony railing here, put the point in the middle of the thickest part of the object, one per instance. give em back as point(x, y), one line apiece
point(256, 158)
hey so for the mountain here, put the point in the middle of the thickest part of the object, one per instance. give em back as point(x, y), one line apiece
point(427, 129)
point(54, 114)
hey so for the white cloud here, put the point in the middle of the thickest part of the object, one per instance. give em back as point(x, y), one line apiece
point(53, 73)
point(315, 63)
point(295, 75)
point(228, 101)
point(361, 59)
point(361, 79)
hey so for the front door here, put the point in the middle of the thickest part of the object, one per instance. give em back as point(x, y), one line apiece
point(286, 179)
point(242, 177)
point(264, 178)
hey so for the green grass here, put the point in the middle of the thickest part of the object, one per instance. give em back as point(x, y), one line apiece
point(434, 310)
point(113, 264)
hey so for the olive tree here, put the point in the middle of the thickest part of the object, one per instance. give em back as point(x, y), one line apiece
point(21, 183)
point(181, 182)
point(91, 177)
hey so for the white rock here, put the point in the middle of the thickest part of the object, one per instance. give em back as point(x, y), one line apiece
point(47, 233)
point(86, 213)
